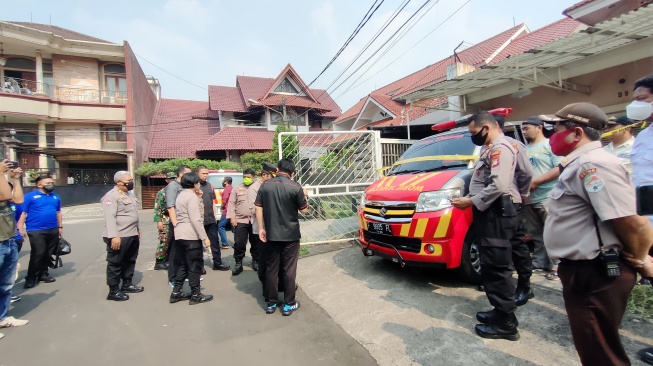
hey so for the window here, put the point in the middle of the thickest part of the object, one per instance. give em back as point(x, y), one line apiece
point(114, 134)
point(115, 81)
point(286, 87)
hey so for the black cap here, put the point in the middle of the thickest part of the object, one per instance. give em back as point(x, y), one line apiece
point(621, 120)
point(533, 120)
point(269, 168)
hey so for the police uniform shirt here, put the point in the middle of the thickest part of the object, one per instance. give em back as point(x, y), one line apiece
point(494, 175)
point(622, 152)
point(594, 184)
point(523, 167)
point(120, 214)
point(641, 158)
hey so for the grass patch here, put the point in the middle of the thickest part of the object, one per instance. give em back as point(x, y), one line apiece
point(303, 251)
point(641, 301)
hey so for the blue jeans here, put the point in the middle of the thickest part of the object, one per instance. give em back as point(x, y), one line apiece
point(8, 260)
point(222, 231)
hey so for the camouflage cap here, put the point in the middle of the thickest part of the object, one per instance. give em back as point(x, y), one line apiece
point(171, 175)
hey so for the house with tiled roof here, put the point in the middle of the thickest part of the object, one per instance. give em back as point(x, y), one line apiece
point(239, 119)
point(393, 108)
point(78, 107)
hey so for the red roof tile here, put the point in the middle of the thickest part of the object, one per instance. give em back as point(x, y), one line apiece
point(547, 34)
point(225, 98)
point(576, 6)
point(175, 133)
point(289, 70)
point(61, 32)
point(325, 99)
point(239, 138)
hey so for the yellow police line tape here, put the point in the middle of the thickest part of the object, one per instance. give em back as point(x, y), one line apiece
point(474, 157)
point(610, 133)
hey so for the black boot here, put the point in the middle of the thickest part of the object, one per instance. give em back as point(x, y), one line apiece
point(522, 295)
point(196, 297)
point(160, 265)
point(116, 295)
point(238, 269)
point(503, 326)
point(178, 294)
point(255, 265)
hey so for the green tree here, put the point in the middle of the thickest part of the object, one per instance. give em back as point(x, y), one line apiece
point(290, 144)
point(328, 162)
point(171, 165)
point(255, 160)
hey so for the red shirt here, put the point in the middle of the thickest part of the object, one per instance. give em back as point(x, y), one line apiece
point(226, 192)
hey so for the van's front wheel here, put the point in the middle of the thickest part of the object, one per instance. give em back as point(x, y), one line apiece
point(470, 263)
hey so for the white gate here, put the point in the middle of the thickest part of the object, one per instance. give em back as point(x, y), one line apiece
point(335, 168)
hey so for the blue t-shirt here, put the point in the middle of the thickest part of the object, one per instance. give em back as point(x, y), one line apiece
point(41, 210)
point(18, 210)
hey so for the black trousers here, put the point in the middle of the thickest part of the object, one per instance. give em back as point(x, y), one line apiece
point(19, 244)
point(521, 256)
point(212, 232)
point(243, 232)
point(281, 255)
point(173, 261)
point(496, 227)
point(43, 243)
point(263, 249)
point(121, 262)
point(192, 256)
point(595, 305)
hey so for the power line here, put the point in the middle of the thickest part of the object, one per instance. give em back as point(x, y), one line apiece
point(406, 52)
point(360, 26)
point(169, 73)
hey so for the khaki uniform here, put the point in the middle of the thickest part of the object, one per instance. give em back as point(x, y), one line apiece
point(494, 195)
point(241, 206)
point(120, 220)
point(594, 188)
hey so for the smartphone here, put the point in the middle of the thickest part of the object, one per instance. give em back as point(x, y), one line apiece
point(14, 164)
point(644, 200)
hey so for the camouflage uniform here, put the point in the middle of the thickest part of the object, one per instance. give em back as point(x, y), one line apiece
point(161, 214)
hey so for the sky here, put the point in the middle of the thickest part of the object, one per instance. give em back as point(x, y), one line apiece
point(190, 44)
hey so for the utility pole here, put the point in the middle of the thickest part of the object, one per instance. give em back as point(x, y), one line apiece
point(283, 106)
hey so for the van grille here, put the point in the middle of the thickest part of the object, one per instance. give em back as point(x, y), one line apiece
point(400, 243)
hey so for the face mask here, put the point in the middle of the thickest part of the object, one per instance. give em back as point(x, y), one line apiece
point(558, 145)
point(130, 186)
point(49, 188)
point(479, 138)
point(248, 181)
point(639, 110)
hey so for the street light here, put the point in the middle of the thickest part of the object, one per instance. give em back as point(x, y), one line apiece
point(283, 105)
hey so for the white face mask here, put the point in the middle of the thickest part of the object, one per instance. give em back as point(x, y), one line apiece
point(639, 110)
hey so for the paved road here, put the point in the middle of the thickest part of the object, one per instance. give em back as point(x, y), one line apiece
point(71, 323)
point(410, 317)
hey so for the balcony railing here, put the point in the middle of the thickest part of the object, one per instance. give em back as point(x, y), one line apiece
point(62, 93)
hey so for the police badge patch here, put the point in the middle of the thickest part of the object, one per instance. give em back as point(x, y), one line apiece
point(593, 183)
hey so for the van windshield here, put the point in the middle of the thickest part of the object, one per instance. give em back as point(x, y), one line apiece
point(451, 144)
point(216, 179)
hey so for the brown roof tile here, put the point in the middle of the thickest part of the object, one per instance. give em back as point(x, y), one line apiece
point(62, 32)
point(239, 138)
point(225, 98)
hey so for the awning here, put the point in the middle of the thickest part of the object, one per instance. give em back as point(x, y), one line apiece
point(62, 152)
point(543, 65)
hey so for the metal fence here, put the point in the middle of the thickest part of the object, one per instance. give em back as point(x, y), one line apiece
point(62, 93)
point(72, 177)
point(335, 168)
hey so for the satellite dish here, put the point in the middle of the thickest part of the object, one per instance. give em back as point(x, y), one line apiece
point(521, 92)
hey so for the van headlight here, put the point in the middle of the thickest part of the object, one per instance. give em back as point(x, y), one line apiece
point(362, 201)
point(436, 200)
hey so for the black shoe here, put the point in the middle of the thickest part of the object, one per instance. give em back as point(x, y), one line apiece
point(132, 289)
point(46, 279)
point(493, 331)
point(487, 317)
point(117, 296)
point(221, 267)
point(480, 288)
point(197, 297)
point(203, 271)
point(646, 355)
point(30, 282)
point(522, 295)
point(179, 296)
point(255, 265)
point(161, 266)
point(238, 269)
point(288, 309)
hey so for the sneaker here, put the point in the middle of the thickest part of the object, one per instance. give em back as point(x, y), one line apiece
point(271, 308)
point(288, 309)
point(14, 299)
point(2, 335)
point(10, 322)
point(201, 279)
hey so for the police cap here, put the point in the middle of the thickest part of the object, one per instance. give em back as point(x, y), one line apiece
point(582, 113)
point(268, 168)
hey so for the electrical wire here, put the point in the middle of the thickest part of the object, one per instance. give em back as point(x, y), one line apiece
point(168, 72)
point(360, 26)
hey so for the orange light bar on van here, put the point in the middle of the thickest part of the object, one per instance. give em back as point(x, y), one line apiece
point(464, 120)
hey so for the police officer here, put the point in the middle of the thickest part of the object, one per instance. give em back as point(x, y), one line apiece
point(121, 234)
point(162, 221)
point(521, 255)
point(493, 197)
point(592, 223)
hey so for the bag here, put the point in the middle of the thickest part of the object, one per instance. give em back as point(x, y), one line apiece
point(63, 248)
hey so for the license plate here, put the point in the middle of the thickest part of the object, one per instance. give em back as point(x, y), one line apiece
point(379, 228)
